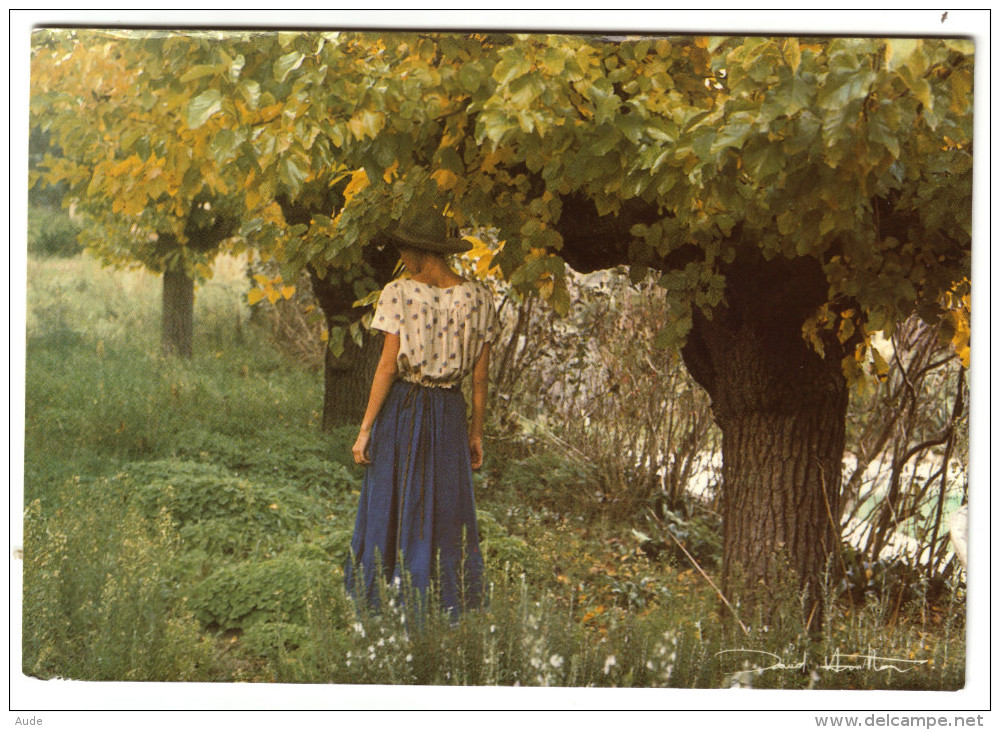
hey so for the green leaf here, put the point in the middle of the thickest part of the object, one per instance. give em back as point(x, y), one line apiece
point(733, 134)
point(512, 65)
point(703, 143)
point(449, 159)
point(636, 273)
point(554, 60)
point(250, 91)
point(898, 51)
point(763, 159)
point(560, 299)
point(674, 333)
point(197, 72)
point(842, 88)
point(471, 75)
point(223, 145)
point(236, 67)
point(286, 64)
point(292, 174)
point(918, 85)
point(335, 343)
point(203, 106)
point(880, 132)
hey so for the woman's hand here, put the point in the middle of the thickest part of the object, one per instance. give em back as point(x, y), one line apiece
point(476, 451)
point(360, 448)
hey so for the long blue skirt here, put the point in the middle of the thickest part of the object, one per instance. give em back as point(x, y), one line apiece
point(416, 523)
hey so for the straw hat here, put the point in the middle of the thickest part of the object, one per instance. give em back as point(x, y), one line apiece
point(427, 230)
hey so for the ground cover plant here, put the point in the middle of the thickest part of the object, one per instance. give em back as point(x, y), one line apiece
point(187, 520)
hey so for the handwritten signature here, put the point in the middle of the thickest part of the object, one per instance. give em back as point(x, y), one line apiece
point(836, 663)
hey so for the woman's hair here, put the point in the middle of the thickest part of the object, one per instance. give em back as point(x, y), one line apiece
point(401, 247)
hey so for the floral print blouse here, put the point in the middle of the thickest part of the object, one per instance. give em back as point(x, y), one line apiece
point(441, 330)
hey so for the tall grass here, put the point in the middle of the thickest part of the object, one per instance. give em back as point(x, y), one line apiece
point(187, 521)
point(99, 392)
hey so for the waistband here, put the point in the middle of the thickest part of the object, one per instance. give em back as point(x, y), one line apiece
point(413, 384)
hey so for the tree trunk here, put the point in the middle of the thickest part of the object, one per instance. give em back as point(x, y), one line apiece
point(781, 478)
point(178, 313)
point(781, 408)
point(347, 381)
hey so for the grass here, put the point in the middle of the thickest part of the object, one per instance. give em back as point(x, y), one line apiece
point(188, 521)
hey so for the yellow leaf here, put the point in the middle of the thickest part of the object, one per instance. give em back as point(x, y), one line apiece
point(359, 181)
point(288, 292)
point(261, 279)
point(133, 203)
point(445, 179)
point(272, 295)
point(880, 365)
point(390, 172)
point(846, 330)
point(493, 158)
point(255, 296)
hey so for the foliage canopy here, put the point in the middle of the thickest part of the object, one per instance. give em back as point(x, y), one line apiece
point(856, 152)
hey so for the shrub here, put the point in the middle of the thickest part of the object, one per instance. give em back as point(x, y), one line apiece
point(598, 388)
point(550, 480)
point(101, 592)
point(267, 591)
point(51, 232)
point(501, 550)
point(274, 638)
point(227, 516)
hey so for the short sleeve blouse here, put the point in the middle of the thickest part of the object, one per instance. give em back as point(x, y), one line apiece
point(441, 330)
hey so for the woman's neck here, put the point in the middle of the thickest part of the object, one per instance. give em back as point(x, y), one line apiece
point(434, 271)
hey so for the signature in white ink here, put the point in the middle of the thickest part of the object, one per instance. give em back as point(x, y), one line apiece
point(836, 663)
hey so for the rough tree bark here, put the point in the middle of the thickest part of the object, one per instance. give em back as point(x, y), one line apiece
point(178, 313)
point(781, 408)
point(346, 379)
point(205, 229)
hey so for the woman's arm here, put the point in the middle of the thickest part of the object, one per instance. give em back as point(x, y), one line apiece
point(480, 388)
point(385, 374)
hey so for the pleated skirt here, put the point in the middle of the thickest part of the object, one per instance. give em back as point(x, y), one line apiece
point(416, 521)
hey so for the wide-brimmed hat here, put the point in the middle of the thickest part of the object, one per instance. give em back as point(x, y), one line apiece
point(427, 230)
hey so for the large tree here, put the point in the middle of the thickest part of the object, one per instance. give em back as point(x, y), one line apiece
point(131, 151)
point(796, 196)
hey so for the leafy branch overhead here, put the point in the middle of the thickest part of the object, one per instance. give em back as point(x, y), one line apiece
point(669, 153)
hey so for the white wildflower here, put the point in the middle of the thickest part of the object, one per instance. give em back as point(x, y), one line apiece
point(556, 661)
point(609, 662)
point(409, 657)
